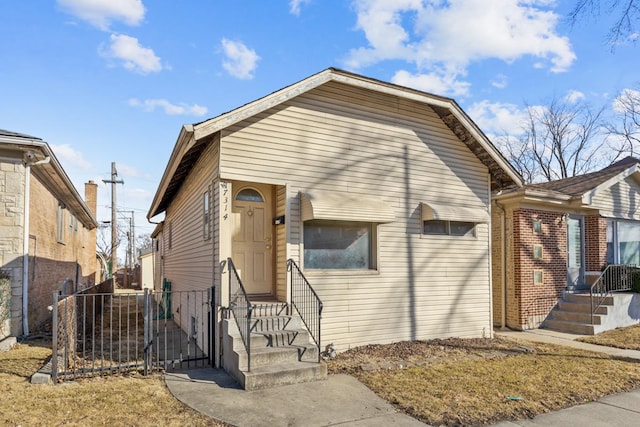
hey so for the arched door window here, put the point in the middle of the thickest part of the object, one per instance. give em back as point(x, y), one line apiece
point(249, 195)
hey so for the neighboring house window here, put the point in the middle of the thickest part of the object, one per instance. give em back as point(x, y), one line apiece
point(339, 245)
point(206, 214)
point(60, 224)
point(71, 220)
point(537, 226)
point(537, 252)
point(538, 278)
point(623, 242)
point(438, 227)
point(170, 235)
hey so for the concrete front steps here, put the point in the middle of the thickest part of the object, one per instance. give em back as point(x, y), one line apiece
point(281, 350)
point(573, 314)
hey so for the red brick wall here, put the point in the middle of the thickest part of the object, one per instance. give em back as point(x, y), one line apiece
point(595, 242)
point(529, 303)
point(496, 264)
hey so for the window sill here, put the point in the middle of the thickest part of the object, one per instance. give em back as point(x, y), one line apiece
point(317, 273)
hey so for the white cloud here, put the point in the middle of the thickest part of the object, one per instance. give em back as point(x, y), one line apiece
point(100, 13)
point(434, 83)
point(498, 118)
point(240, 61)
point(500, 81)
point(150, 105)
point(294, 6)
point(448, 36)
point(70, 157)
point(626, 101)
point(574, 96)
point(133, 56)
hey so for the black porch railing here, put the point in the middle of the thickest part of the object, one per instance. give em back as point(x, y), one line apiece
point(306, 302)
point(614, 278)
point(241, 308)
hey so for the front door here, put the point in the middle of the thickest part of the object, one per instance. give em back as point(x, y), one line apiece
point(253, 236)
point(575, 243)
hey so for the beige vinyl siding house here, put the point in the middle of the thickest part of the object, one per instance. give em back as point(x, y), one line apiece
point(340, 173)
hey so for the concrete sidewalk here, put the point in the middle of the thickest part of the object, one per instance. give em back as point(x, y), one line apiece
point(620, 410)
point(568, 340)
point(342, 400)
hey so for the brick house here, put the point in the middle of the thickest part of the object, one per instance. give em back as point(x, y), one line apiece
point(555, 238)
point(47, 233)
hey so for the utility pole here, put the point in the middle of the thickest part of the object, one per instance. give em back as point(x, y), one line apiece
point(114, 222)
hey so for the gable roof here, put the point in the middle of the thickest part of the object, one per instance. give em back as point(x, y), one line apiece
point(581, 187)
point(48, 170)
point(193, 138)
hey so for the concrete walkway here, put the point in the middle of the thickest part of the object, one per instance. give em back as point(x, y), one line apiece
point(342, 400)
point(568, 340)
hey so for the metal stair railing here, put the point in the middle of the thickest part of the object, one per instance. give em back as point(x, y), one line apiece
point(614, 278)
point(241, 308)
point(306, 302)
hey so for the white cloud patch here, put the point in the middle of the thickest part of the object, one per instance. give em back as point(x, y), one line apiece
point(240, 61)
point(181, 109)
point(294, 6)
point(498, 118)
point(435, 83)
point(132, 55)
point(574, 96)
point(443, 38)
point(100, 13)
point(500, 81)
point(627, 100)
point(70, 157)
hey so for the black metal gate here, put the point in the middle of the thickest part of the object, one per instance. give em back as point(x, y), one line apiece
point(101, 332)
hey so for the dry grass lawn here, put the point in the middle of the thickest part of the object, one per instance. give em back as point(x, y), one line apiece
point(628, 338)
point(123, 400)
point(481, 381)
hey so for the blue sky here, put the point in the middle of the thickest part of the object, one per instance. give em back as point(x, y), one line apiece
point(114, 80)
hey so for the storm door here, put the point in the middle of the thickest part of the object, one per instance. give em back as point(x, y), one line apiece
point(575, 253)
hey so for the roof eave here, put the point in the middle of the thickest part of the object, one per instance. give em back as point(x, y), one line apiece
point(183, 143)
point(53, 176)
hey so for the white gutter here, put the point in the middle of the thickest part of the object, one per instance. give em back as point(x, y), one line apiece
point(25, 243)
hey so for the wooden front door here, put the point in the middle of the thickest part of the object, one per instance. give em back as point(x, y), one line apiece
point(253, 236)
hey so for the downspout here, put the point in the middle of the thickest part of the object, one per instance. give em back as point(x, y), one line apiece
point(503, 264)
point(25, 243)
